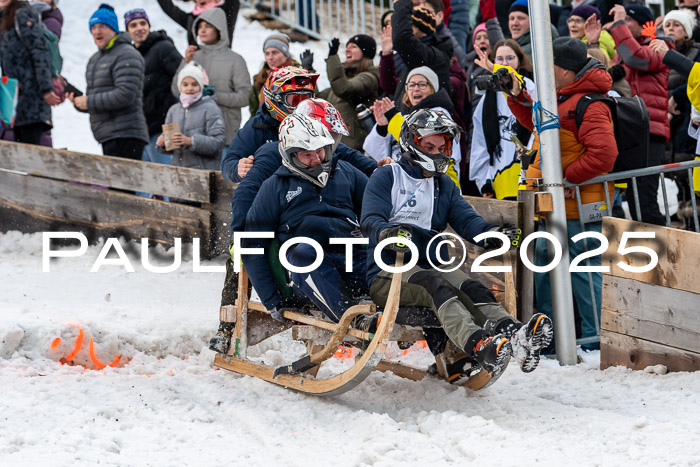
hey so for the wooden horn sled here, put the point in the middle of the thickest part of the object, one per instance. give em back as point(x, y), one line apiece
point(323, 337)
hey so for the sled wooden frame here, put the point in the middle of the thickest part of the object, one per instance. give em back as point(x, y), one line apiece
point(322, 347)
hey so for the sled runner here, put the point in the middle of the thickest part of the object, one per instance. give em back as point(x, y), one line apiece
point(323, 337)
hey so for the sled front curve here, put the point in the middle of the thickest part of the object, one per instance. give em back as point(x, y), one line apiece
point(342, 382)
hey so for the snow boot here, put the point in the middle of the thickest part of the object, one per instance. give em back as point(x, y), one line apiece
point(493, 354)
point(221, 341)
point(530, 339)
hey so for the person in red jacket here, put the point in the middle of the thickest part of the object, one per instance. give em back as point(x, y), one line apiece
point(586, 152)
point(648, 79)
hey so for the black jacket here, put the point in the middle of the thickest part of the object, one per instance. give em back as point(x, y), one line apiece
point(186, 20)
point(161, 63)
point(114, 79)
point(431, 51)
point(27, 58)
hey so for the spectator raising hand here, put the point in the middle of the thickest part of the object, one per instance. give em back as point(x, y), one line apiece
point(386, 42)
point(483, 61)
point(659, 46)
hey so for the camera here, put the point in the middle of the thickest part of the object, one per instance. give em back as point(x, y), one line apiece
point(364, 115)
point(498, 81)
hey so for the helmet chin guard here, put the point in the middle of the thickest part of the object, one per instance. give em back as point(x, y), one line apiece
point(428, 122)
point(299, 133)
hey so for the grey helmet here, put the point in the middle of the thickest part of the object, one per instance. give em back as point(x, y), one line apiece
point(422, 123)
point(299, 132)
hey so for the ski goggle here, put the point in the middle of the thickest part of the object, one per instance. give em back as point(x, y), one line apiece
point(447, 151)
point(293, 99)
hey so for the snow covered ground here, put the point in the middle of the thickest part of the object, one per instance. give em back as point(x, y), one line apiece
point(164, 404)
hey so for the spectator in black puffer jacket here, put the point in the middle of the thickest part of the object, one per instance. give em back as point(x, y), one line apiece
point(25, 56)
point(161, 60)
point(114, 89)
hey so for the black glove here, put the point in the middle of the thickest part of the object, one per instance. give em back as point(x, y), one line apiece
point(513, 233)
point(487, 188)
point(403, 231)
point(307, 59)
point(333, 47)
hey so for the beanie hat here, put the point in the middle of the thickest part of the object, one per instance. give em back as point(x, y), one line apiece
point(569, 53)
point(386, 13)
point(279, 41)
point(429, 75)
point(521, 6)
point(366, 43)
point(585, 11)
point(683, 18)
point(137, 13)
point(193, 70)
point(481, 27)
point(105, 15)
point(639, 13)
point(424, 20)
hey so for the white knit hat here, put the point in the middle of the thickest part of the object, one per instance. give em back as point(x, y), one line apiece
point(682, 17)
point(429, 75)
point(192, 70)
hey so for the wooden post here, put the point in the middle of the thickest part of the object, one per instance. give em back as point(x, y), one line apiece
point(525, 283)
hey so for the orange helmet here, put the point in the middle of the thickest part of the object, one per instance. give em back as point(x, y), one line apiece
point(285, 88)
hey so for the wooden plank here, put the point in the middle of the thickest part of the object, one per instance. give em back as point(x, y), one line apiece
point(98, 212)
point(637, 354)
point(496, 211)
point(651, 312)
point(678, 252)
point(177, 182)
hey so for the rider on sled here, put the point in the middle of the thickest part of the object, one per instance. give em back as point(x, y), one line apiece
point(416, 200)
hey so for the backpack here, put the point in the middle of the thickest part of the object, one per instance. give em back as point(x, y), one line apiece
point(631, 125)
point(51, 44)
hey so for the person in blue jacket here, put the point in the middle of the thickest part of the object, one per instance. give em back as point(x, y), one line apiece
point(267, 161)
point(416, 200)
point(311, 195)
point(284, 89)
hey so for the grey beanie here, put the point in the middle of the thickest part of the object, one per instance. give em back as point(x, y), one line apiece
point(569, 53)
point(429, 75)
point(279, 41)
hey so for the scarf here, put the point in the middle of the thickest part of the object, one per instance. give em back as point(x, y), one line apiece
point(188, 99)
point(492, 129)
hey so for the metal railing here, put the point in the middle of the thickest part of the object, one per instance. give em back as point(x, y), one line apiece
point(631, 175)
point(325, 19)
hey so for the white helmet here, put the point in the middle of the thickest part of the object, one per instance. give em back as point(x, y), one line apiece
point(299, 132)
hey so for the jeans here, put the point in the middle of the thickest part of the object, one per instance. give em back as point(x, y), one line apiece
point(151, 154)
point(329, 287)
point(579, 280)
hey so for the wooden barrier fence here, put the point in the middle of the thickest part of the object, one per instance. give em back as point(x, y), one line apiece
point(46, 189)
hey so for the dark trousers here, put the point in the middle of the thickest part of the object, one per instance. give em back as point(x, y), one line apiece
point(648, 187)
point(128, 148)
point(30, 134)
point(329, 287)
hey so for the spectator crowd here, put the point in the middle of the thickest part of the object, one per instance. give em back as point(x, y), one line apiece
point(437, 58)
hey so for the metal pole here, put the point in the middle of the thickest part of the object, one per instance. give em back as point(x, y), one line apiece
point(663, 190)
point(607, 199)
point(552, 175)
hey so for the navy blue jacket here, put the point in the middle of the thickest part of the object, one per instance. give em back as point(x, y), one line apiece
point(449, 208)
point(267, 160)
point(258, 130)
point(293, 207)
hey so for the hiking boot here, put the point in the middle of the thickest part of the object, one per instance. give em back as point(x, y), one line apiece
point(367, 323)
point(460, 371)
point(530, 339)
point(221, 341)
point(493, 354)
